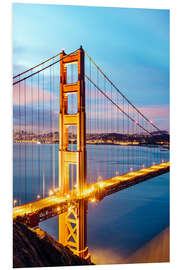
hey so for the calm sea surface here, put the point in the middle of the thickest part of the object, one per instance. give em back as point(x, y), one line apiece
point(119, 224)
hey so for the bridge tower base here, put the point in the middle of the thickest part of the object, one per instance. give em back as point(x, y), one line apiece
point(73, 224)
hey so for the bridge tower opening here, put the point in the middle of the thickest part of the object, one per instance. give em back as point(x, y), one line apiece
point(73, 224)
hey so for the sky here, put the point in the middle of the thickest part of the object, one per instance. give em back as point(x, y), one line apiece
point(130, 45)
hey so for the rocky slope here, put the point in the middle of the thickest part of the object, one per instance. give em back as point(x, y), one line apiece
point(35, 248)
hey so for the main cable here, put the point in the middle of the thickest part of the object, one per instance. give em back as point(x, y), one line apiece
point(41, 69)
point(150, 122)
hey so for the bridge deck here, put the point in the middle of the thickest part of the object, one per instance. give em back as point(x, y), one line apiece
point(58, 203)
point(117, 183)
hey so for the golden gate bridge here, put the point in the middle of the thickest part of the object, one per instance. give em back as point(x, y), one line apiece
point(69, 101)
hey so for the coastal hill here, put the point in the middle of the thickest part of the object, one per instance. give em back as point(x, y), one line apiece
point(36, 248)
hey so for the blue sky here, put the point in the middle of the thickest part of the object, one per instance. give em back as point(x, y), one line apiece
point(130, 45)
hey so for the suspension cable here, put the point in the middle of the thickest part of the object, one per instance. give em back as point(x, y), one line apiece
point(123, 94)
point(14, 83)
point(117, 105)
point(42, 63)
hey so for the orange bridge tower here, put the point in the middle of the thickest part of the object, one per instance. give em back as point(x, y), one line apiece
point(73, 224)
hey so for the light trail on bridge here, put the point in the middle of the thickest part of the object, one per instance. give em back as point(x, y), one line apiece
point(92, 193)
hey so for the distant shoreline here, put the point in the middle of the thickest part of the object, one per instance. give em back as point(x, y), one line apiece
point(164, 146)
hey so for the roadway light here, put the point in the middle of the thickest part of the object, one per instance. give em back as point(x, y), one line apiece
point(50, 192)
point(70, 208)
point(93, 200)
point(15, 201)
point(101, 184)
point(38, 196)
point(92, 188)
point(88, 191)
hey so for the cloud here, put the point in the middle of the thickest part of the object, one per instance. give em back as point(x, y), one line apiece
point(158, 111)
point(28, 95)
point(28, 118)
point(98, 103)
point(110, 111)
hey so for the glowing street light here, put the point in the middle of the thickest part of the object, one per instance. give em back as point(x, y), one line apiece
point(50, 192)
point(38, 196)
point(92, 188)
point(14, 202)
point(101, 184)
point(70, 208)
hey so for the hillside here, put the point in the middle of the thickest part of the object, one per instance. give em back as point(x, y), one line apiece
point(36, 248)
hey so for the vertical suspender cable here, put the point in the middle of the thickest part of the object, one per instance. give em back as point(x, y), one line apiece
point(90, 115)
point(97, 103)
point(43, 143)
point(53, 112)
point(123, 139)
point(105, 149)
point(106, 122)
point(139, 144)
point(128, 137)
point(19, 145)
point(117, 166)
point(25, 196)
point(50, 146)
point(39, 144)
point(32, 154)
point(95, 128)
point(111, 108)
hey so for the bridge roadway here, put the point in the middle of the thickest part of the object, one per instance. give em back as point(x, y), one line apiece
point(39, 210)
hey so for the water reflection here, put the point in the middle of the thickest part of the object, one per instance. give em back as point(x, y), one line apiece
point(124, 222)
point(119, 225)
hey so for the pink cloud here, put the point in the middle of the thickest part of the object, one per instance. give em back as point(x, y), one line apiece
point(27, 95)
point(150, 111)
point(159, 111)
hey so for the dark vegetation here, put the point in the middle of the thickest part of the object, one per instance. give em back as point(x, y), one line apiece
point(35, 248)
